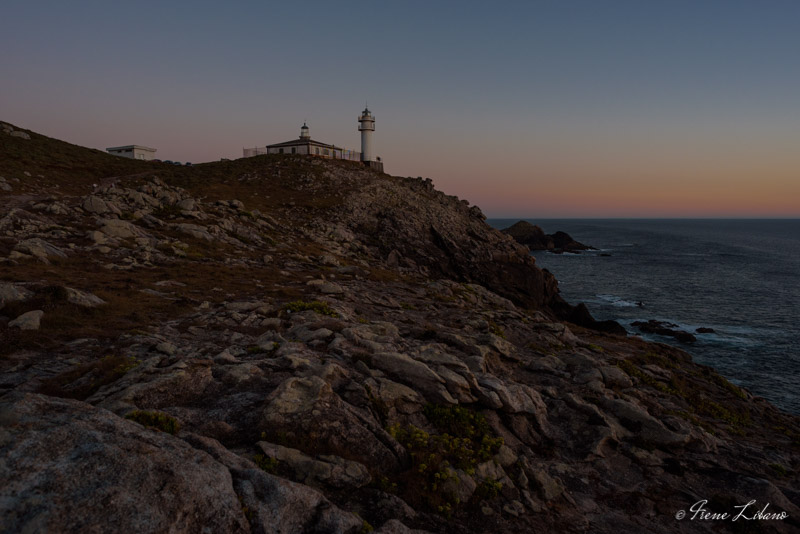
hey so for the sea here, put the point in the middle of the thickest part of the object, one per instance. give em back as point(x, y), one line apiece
point(740, 277)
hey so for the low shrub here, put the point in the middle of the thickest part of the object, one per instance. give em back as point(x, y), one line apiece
point(318, 306)
point(156, 420)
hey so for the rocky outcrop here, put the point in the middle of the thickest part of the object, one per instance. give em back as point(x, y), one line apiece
point(70, 467)
point(665, 328)
point(335, 350)
point(27, 321)
point(534, 238)
point(424, 230)
point(13, 293)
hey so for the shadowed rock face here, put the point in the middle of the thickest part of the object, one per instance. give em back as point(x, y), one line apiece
point(445, 238)
point(332, 341)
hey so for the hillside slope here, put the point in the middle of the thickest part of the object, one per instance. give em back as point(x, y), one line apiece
point(287, 344)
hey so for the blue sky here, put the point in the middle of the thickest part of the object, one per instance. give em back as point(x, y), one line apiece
point(559, 108)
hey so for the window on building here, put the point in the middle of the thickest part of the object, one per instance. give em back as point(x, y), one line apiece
point(280, 151)
point(317, 151)
point(294, 150)
point(327, 153)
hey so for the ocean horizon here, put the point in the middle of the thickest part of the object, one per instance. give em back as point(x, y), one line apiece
point(739, 277)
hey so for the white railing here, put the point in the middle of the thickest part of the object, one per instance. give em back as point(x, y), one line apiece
point(349, 155)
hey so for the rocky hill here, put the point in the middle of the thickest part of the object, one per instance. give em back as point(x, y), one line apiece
point(287, 344)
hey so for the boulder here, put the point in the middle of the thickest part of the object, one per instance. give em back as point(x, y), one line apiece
point(513, 397)
point(82, 298)
point(548, 487)
point(313, 418)
point(39, 248)
point(327, 470)
point(397, 398)
point(274, 504)
point(458, 486)
point(187, 204)
point(640, 422)
point(326, 288)
point(194, 230)
point(613, 376)
point(121, 229)
point(12, 293)
point(95, 204)
point(149, 386)
point(70, 467)
point(27, 321)
point(414, 373)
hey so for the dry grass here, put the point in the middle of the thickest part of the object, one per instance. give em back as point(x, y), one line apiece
point(128, 308)
point(82, 381)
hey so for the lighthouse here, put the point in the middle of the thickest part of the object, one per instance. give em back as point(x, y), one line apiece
point(366, 125)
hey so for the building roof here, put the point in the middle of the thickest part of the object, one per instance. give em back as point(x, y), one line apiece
point(303, 142)
point(131, 147)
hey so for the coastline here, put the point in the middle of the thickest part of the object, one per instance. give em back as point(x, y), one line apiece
point(353, 351)
point(740, 331)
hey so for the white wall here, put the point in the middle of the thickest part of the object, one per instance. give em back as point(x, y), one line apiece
point(145, 155)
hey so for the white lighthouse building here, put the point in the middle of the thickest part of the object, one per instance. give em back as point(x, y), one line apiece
point(366, 125)
point(306, 146)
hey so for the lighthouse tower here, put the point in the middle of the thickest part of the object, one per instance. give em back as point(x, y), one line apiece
point(366, 125)
point(304, 133)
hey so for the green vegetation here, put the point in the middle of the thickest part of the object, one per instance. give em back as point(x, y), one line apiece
point(496, 329)
point(632, 370)
point(488, 489)
point(156, 420)
point(464, 441)
point(248, 513)
point(384, 484)
point(266, 463)
point(780, 470)
point(737, 420)
point(723, 382)
point(318, 306)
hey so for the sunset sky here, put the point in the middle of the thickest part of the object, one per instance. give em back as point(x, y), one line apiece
point(528, 109)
